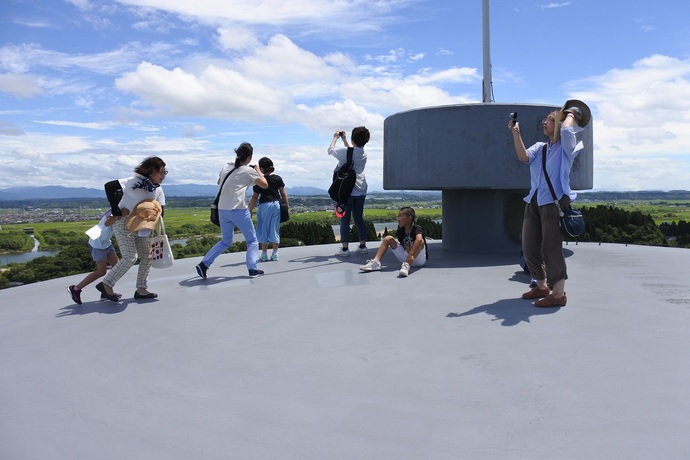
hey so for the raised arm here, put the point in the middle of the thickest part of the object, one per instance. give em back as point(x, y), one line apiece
point(520, 149)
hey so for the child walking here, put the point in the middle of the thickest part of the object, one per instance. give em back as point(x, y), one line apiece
point(268, 214)
point(102, 252)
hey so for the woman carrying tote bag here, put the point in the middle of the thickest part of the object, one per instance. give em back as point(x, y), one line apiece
point(143, 185)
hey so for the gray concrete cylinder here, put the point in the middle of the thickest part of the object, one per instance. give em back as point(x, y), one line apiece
point(467, 152)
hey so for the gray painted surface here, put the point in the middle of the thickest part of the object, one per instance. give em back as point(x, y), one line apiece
point(316, 360)
point(465, 151)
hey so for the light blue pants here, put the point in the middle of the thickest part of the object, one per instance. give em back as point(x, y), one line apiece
point(268, 222)
point(228, 220)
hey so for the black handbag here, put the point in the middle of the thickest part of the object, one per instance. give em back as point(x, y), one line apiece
point(284, 212)
point(214, 206)
point(571, 220)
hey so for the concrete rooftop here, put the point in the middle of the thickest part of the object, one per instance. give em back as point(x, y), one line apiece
point(316, 360)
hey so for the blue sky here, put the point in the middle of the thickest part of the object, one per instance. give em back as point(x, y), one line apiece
point(90, 88)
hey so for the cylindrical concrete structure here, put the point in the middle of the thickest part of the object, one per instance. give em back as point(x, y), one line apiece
point(467, 152)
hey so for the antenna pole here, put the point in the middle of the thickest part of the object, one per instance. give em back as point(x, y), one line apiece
point(487, 84)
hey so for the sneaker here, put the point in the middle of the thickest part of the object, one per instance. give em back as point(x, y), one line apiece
point(75, 292)
point(404, 269)
point(255, 273)
point(372, 265)
point(201, 270)
point(274, 257)
point(535, 293)
point(343, 253)
point(263, 257)
point(551, 301)
point(361, 250)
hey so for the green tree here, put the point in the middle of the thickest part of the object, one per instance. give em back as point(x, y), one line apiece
point(15, 241)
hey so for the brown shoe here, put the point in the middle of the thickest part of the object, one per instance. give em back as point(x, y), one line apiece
point(535, 293)
point(551, 301)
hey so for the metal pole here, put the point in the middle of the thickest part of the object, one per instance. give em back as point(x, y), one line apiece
point(487, 84)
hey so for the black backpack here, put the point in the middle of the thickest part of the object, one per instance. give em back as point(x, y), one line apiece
point(113, 191)
point(343, 180)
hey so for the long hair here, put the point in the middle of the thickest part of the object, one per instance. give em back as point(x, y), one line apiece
point(244, 151)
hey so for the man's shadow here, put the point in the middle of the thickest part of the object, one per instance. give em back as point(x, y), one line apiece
point(510, 312)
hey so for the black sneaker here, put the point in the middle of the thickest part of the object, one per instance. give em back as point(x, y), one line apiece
point(75, 293)
point(255, 273)
point(201, 270)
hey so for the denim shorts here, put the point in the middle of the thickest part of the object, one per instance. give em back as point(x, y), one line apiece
point(101, 255)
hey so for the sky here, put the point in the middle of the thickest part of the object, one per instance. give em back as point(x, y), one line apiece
point(89, 88)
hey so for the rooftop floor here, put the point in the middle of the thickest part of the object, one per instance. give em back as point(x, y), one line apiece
point(316, 360)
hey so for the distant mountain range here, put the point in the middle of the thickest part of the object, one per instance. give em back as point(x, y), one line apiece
point(58, 192)
point(194, 190)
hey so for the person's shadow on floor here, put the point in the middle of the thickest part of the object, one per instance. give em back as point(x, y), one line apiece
point(509, 311)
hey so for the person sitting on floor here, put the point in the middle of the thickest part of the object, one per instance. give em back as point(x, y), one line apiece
point(408, 246)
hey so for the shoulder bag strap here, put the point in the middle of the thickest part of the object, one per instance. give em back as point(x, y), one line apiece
point(350, 152)
point(221, 187)
point(548, 181)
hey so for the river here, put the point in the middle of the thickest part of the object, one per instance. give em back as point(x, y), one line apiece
point(17, 257)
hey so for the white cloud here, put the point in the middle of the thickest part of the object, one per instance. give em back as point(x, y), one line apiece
point(358, 14)
point(9, 129)
point(81, 4)
point(554, 5)
point(216, 93)
point(26, 57)
point(88, 125)
point(236, 39)
point(640, 124)
point(21, 86)
point(645, 101)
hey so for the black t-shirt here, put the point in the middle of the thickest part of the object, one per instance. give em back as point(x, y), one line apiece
point(272, 193)
point(407, 239)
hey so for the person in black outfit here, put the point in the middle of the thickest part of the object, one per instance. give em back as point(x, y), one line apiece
point(268, 214)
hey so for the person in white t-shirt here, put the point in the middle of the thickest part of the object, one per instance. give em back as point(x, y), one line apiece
point(233, 210)
point(355, 204)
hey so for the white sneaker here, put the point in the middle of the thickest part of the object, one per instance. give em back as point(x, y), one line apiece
point(361, 250)
point(404, 269)
point(343, 253)
point(372, 265)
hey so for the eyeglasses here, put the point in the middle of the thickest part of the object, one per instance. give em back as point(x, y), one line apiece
point(164, 172)
point(546, 120)
point(403, 216)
